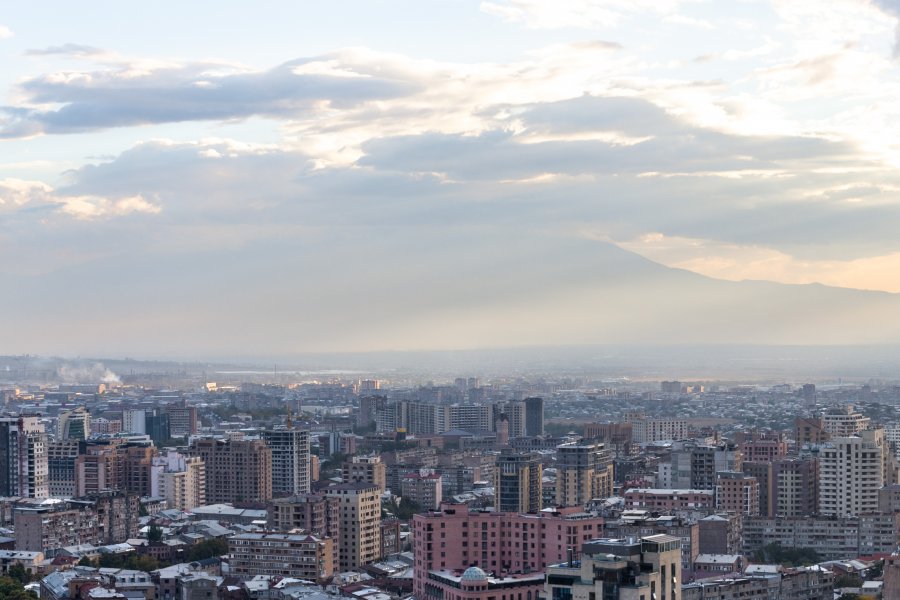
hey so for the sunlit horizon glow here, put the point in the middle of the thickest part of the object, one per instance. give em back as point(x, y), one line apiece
point(287, 148)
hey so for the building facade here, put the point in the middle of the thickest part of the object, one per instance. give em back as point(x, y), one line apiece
point(359, 509)
point(517, 483)
point(281, 554)
point(236, 470)
point(23, 457)
point(290, 460)
point(584, 471)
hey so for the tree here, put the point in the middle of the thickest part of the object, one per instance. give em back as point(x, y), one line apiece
point(407, 508)
point(10, 589)
point(112, 560)
point(141, 562)
point(18, 572)
point(154, 533)
point(848, 581)
point(207, 549)
point(775, 553)
point(85, 562)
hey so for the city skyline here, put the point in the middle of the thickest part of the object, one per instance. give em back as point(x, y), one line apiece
point(452, 174)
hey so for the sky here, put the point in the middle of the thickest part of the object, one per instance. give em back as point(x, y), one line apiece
point(199, 178)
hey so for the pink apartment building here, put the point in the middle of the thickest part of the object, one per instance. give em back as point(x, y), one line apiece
point(504, 545)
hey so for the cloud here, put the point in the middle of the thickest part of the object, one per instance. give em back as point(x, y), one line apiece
point(18, 195)
point(891, 8)
point(5, 32)
point(76, 101)
point(74, 50)
point(546, 14)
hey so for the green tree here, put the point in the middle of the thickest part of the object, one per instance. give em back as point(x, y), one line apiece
point(85, 562)
point(10, 589)
point(407, 508)
point(112, 560)
point(848, 581)
point(18, 572)
point(207, 549)
point(154, 533)
point(141, 562)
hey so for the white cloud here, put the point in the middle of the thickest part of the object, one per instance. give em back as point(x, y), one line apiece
point(555, 14)
point(19, 194)
point(5, 32)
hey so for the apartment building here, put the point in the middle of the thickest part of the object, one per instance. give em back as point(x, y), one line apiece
point(499, 542)
point(236, 470)
point(281, 554)
point(359, 510)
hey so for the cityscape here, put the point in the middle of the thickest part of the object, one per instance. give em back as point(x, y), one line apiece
point(464, 488)
point(450, 300)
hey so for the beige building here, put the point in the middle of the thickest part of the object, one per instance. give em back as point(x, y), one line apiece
point(619, 569)
point(283, 554)
point(843, 421)
point(517, 483)
point(360, 523)
point(236, 470)
point(317, 514)
point(584, 471)
point(851, 471)
point(365, 469)
point(738, 493)
point(182, 482)
point(644, 429)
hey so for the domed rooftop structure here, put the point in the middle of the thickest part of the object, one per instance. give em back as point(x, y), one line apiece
point(473, 574)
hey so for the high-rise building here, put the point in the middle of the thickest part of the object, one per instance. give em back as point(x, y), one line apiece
point(422, 487)
point(74, 424)
point(315, 513)
point(99, 519)
point(645, 430)
point(181, 480)
point(23, 457)
point(236, 470)
point(134, 421)
point(843, 421)
point(182, 419)
point(615, 436)
point(695, 467)
point(620, 569)
point(157, 424)
point(61, 458)
point(369, 407)
point(737, 492)
point(851, 471)
point(810, 430)
point(511, 543)
point(517, 483)
point(365, 469)
point(114, 464)
point(360, 523)
point(290, 460)
point(534, 416)
point(515, 414)
point(584, 471)
point(796, 483)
